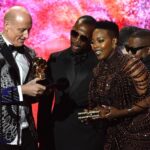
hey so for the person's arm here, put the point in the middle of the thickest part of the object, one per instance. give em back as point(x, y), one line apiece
point(10, 95)
point(32, 88)
point(117, 113)
point(137, 71)
point(140, 77)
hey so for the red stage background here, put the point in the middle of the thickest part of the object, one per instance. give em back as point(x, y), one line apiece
point(53, 19)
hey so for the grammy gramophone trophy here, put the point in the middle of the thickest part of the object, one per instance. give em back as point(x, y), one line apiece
point(39, 70)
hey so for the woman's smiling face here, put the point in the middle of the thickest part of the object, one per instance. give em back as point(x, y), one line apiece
point(102, 43)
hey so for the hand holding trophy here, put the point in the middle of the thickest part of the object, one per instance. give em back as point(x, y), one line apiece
point(39, 70)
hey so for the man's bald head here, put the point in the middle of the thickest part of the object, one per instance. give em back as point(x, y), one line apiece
point(16, 13)
point(17, 24)
point(88, 21)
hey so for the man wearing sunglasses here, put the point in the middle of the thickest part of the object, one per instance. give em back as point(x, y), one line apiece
point(139, 46)
point(124, 34)
point(71, 70)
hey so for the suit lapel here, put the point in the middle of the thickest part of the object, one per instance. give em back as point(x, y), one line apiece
point(70, 67)
point(14, 71)
point(29, 58)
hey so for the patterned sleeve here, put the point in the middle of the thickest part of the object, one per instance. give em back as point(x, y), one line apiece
point(139, 74)
point(9, 95)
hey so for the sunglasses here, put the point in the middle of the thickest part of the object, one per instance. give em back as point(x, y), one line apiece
point(134, 50)
point(75, 34)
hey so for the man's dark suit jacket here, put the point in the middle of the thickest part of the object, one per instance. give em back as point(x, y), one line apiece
point(70, 75)
point(9, 97)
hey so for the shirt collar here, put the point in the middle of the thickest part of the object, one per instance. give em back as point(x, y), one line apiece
point(5, 39)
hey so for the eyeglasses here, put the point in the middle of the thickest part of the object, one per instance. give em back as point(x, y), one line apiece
point(83, 38)
point(134, 50)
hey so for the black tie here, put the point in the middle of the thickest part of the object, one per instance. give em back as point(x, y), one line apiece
point(19, 49)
